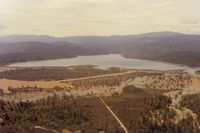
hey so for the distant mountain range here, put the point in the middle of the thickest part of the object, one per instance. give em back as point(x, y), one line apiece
point(163, 46)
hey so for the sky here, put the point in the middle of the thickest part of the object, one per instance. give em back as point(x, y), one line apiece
point(98, 17)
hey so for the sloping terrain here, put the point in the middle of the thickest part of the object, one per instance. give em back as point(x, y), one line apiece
point(162, 46)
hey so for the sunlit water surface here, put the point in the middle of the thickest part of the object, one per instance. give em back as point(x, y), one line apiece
point(103, 62)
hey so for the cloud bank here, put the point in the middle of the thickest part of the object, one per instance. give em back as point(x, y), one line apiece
point(99, 17)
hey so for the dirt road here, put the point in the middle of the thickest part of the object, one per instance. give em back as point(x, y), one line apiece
point(6, 83)
point(99, 76)
point(117, 118)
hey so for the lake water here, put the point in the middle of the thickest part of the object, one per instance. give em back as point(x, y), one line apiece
point(103, 62)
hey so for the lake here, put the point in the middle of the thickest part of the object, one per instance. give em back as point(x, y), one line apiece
point(103, 62)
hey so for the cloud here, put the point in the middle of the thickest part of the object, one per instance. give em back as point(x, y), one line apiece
point(189, 21)
point(2, 27)
point(34, 30)
point(97, 17)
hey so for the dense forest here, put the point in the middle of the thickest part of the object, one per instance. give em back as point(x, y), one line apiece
point(188, 58)
point(54, 73)
point(192, 102)
point(142, 111)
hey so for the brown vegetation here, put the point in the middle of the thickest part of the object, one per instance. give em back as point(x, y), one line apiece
point(54, 73)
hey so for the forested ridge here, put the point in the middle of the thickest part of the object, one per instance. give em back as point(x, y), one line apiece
point(169, 47)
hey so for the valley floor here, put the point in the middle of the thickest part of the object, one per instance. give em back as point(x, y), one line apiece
point(110, 86)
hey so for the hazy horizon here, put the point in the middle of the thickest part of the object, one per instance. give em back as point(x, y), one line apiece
point(97, 17)
point(99, 35)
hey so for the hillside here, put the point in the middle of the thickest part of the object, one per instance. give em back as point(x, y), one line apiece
point(163, 46)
